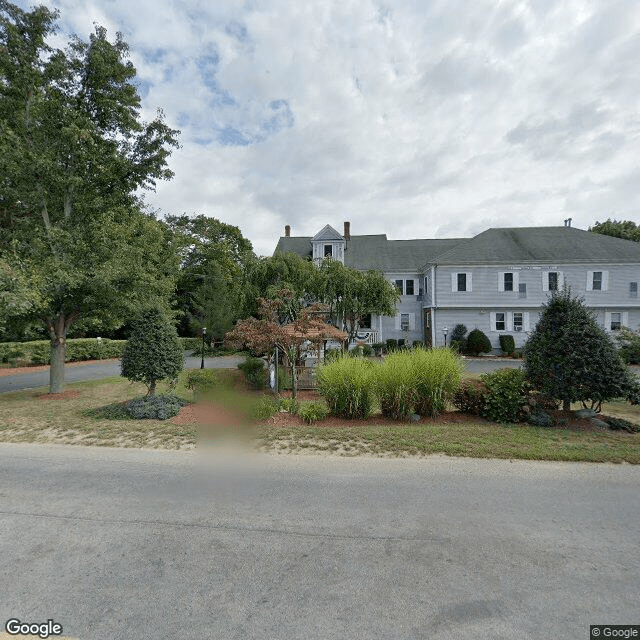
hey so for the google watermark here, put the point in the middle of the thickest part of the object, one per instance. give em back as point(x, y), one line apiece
point(614, 631)
point(15, 627)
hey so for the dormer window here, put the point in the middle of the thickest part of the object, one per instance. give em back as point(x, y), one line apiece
point(328, 250)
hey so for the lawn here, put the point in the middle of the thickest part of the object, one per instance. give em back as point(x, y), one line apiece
point(30, 416)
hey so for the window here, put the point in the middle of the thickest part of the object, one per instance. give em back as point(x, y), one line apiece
point(616, 321)
point(633, 289)
point(522, 290)
point(462, 282)
point(518, 321)
point(597, 281)
point(404, 322)
point(508, 281)
point(364, 321)
point(399, 286)
point(501, 323)
point(328, 250)
point(553, 280)
point(409, 287)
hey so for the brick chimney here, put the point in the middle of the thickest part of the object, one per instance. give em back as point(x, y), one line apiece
point(347, 231)
point(287, 231)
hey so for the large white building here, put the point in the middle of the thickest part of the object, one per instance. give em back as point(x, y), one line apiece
point(495, 281)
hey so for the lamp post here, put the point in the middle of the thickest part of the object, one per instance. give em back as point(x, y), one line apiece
point(445, 330)
point(204, 333)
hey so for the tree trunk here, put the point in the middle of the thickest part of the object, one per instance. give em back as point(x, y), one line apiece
point(58, 328)
point(566, 405)
point(56, 369)
point(152, 388)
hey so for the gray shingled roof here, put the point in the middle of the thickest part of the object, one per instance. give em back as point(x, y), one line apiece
point(521, 245)
point(551, 245)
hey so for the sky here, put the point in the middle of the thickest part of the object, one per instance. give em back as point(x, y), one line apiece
point(418, 119)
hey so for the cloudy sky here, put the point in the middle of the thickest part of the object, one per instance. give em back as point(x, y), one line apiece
point(425, 118)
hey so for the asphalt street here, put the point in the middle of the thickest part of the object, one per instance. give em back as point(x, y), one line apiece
point(99, 370)
point(146, 544)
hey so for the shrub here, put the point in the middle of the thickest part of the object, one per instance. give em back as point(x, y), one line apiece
point(347, 387)
point(367, 350)
point(265, 408)
point(291, 405)
point(458, 338)
point(507, 396)
point(628, 343)
point(477, 343)
point(39, 351)
point(395, 386)
point(539, 418)
point(470, 397)
point(254, 371)
point(569, 357)
point(312, 411)
point(284, 380)
point(436, 377)
point(153, 352)
point(201, 380)
point(331, 355)
point(378, 347)
point(392, 345)
point(417, 344)
point(618, 424)
point(154, 407)
point(507, 344)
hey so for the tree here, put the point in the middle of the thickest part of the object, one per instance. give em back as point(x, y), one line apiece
point(570, 358)
point(265, 277)
point(271, 329)
point(153, 352)
point(625, 229)
point(351, 294)
point(210, 287)
point(74, 153)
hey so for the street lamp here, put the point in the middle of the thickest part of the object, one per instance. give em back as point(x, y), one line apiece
point(204, 333)
point(445, 330)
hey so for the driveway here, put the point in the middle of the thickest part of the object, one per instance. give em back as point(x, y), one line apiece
point(147, 544)
point(99, 370)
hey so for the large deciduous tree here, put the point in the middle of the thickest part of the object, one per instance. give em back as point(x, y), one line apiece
point(210, 287)
point(625, 229)
point(352, 294)
point(74, 155)
point(570, 358)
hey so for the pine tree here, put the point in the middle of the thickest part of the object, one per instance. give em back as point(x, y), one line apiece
point(153, 352)
point(569, 357)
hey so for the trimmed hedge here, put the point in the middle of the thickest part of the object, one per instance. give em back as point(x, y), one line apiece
point(38, 351)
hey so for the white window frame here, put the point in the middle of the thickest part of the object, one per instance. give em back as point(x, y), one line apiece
point(545, 279)
point(508, 321)
point(605, 280)
point(414, 286)
point(412, 321)
point(454, 281)
point(624, 319)
point(516, 281)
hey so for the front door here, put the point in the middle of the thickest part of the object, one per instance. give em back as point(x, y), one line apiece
point(427, 329)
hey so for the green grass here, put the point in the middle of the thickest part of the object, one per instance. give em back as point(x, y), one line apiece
point(25, 417)
point(477, 440)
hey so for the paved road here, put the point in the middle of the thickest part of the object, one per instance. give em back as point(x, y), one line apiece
point(144, 544)
point(99, 370)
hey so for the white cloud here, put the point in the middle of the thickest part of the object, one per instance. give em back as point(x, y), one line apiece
point(415, 119)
